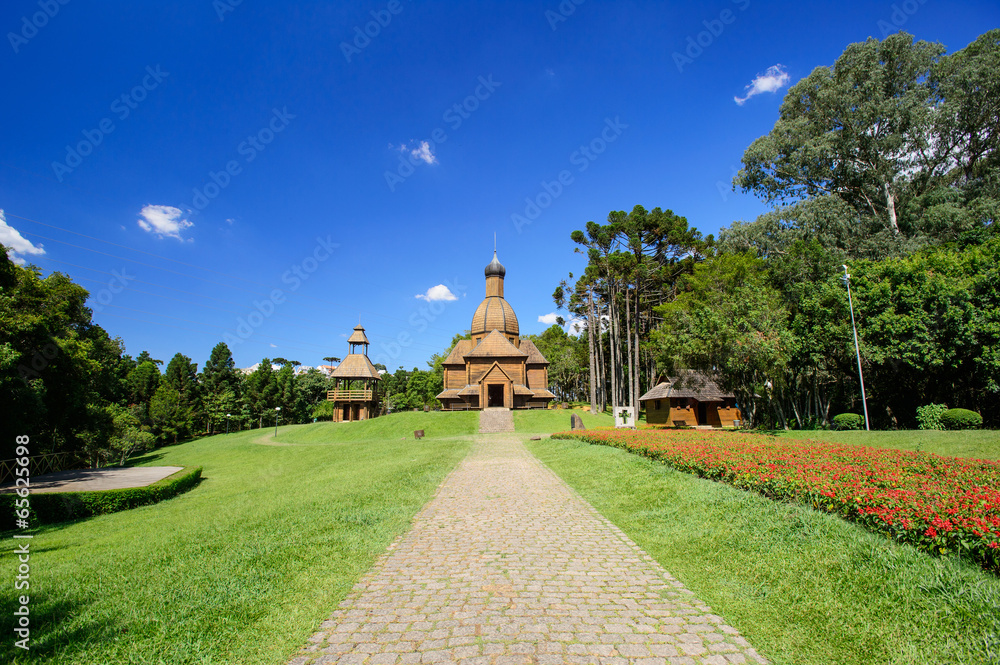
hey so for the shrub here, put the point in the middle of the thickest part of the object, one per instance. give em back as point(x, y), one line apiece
point(929, 416)
point(961, 419)
point(848, 421)
point(63, 506)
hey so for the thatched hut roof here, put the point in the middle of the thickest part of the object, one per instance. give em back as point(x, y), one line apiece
point(689, 384)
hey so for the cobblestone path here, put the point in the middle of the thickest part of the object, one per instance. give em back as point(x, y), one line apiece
point(506, 564)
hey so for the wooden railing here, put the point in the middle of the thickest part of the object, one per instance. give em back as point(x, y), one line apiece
point(37, 465)
point(345, 395)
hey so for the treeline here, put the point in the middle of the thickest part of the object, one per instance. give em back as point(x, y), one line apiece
point(887, 162)
point(70, 386)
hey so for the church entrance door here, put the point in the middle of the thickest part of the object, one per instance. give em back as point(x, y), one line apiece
point(494, 393)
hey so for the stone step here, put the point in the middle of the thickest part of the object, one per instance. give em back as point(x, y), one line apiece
point(496, 420)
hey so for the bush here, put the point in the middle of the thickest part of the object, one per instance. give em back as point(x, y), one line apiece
point(929, 416)
point(961, 419)
point(63, 506)
point(843, 421)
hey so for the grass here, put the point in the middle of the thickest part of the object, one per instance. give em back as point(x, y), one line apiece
point(803, 586)
point(242, 568)
point(979, 444)
point(546, 421)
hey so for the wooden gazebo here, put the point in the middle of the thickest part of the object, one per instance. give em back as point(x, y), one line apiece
point(355, 394)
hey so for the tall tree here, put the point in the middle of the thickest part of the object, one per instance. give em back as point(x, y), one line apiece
point(861, 130)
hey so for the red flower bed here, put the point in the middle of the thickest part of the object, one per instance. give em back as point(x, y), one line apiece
point(939, 504)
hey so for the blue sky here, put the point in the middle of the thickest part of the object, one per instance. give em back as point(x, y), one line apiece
point(270, 173)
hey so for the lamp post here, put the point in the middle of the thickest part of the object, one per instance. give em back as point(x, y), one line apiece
point(227, 423)
point(857, 349)
point(277, 409)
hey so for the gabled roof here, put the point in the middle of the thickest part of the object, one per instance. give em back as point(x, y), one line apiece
point(535, 356)
point(495, 345)
point(457, 355)
point(356, 366)
point(690, 384)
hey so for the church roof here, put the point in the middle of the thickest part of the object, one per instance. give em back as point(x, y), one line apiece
point(457, 355)
point(535, 356)
point(495, 313)
point(448, 394)
point(358, 336)
point(542, 393)
point(495, 345)
point(522, 390)
point(356, 366)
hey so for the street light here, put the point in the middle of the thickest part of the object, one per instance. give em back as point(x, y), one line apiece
point(227, 423)
point(857, 349)
point(276, 414)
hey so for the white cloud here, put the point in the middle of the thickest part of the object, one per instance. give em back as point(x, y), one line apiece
point(423, 152)
point(164, 221)
point(548, 319)
point(774, 79)
point(439, 292)
point(274, 346)
point(12, 239)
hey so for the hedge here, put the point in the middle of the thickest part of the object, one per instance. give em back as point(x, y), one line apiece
point(54, 507)
point(961, 419)
point(848, 421)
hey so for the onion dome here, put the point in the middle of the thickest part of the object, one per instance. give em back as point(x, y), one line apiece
point(495, 267)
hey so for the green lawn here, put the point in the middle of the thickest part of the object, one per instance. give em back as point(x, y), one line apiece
point(804, 587)
point(242, 568)
point(981, 444)
point(557, 420)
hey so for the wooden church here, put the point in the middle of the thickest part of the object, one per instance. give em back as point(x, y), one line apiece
point(496, 368)
point(355, 394)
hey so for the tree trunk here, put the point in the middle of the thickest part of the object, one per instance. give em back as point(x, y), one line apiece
point(890, 205)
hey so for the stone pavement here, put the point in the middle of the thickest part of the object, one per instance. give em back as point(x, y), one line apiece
point(505, 565)
point(493, 420)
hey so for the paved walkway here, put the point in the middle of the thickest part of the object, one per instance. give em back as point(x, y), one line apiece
point(492, 421)
point(91, 480)
point(506, 564)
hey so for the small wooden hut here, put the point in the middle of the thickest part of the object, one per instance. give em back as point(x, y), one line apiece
point(355, 392)
point(690, 399)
